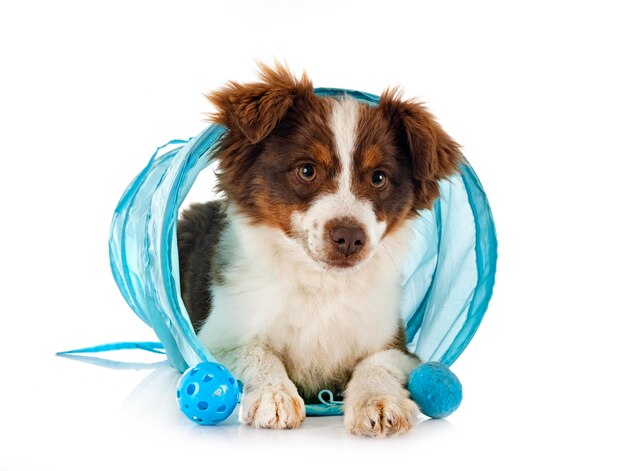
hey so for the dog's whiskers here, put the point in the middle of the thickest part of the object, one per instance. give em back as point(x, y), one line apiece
point(390, 257)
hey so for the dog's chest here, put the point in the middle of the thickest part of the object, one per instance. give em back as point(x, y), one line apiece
point(320, 324)
point(324, 330)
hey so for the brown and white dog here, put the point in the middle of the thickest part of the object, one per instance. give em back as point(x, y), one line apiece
point(292, 281)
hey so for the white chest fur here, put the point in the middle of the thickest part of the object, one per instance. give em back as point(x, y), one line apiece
point(320, 322)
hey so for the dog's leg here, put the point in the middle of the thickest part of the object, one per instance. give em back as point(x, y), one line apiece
point(270, 398)
point(376, 401)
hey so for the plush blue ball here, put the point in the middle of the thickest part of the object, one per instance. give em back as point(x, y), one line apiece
point(207, 393)
point(436, 390)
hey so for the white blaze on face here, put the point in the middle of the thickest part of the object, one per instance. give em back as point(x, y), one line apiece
point(343, 122)
point(343, 203)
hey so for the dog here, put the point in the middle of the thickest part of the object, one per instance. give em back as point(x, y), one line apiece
point(291, 280)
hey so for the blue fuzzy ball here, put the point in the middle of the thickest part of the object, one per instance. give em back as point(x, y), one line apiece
point(207, 393)
point(436, 390)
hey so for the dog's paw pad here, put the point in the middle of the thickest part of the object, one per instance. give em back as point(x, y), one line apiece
point(274, 407)
point(380, 416)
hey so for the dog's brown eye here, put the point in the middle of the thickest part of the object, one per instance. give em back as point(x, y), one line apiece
point(306, 172)
point(379, 179)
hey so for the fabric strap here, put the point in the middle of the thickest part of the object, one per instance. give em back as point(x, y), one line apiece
point(154, 347)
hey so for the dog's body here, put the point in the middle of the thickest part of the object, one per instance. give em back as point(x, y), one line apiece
point(292, 281)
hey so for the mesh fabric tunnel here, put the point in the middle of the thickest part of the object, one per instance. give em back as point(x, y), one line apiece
point(447, 278)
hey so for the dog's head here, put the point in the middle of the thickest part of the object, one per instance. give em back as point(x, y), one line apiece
point(334, 175)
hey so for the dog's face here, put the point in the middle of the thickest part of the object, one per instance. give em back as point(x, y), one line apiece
point(334, 175)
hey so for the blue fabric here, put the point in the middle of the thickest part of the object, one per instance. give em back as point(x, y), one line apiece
point(448, 277)
point(326, 406)
point(154, 347)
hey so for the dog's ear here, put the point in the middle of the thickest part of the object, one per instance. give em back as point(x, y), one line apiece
point(255, 109)
point(434, 154)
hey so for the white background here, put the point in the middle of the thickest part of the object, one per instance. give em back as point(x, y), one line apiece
point(535, 93)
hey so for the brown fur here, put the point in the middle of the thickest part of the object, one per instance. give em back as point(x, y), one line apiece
point(255, 109)
point(434, 154)
point(377, 142)
point(322, 154)
point(372, 157)
point(278, 124)
point(282, 126)
point(399, 341)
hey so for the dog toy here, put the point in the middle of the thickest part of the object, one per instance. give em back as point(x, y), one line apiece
point(436, 390)
point(448, 275)
point(207, 393)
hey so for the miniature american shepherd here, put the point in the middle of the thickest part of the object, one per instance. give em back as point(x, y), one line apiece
point(291, 279)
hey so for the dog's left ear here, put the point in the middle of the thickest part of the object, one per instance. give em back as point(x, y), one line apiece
point(255, 109)
point(434, 154)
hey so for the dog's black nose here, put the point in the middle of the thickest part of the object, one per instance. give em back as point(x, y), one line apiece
point(348, 240)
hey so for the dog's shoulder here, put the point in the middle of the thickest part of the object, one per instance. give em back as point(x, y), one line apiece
point(198, 232)
point(201, 218)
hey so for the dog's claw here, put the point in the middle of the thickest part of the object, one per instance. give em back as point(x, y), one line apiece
point(273, 406)
point(381, 416)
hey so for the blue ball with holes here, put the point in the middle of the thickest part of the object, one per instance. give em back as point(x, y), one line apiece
point(207, 393)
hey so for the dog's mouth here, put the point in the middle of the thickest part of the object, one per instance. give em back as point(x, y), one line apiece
point(336, 263)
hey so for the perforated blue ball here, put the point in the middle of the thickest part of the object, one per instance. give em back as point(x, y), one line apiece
point(207, 393)
point(436, 390)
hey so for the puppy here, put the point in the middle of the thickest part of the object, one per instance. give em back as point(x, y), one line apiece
point(292, 280)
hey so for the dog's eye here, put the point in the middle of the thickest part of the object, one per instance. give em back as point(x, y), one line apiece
point(379, 180)
point(306, 172)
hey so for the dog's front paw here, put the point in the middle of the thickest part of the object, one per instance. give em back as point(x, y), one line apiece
point(380, 416)
point(273, 406)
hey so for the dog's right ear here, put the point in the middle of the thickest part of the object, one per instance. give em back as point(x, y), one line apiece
point(433, 153)
point(255, 109)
